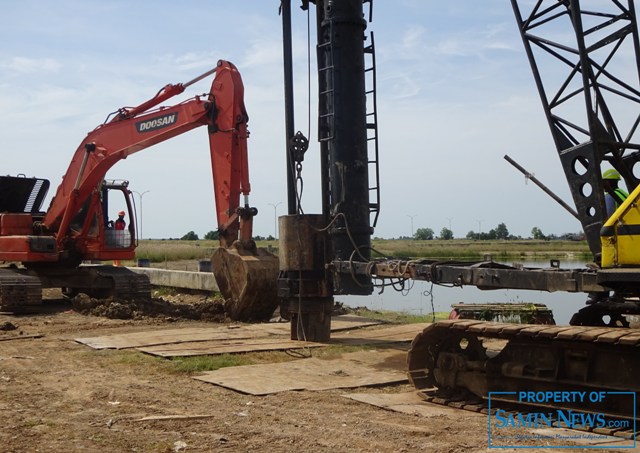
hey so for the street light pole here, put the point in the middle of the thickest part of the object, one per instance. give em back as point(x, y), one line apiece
point(275, 218)
point(411, 217)
point(140, 195)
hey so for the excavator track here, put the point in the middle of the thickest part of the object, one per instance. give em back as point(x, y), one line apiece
point(536, 360)
point(104, 282)
point(19, 293)
point(126, 284)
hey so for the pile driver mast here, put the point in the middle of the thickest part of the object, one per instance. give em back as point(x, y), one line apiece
point(589, 83)
point(347, 135)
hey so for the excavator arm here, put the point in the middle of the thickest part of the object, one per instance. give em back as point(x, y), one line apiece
point(75, 227)
point(135, 129)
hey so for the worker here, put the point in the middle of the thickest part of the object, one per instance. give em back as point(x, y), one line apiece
point(120, 223)
point(119, 226)
point(613, 195)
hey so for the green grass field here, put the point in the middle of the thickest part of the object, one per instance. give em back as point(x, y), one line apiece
point(158, 251)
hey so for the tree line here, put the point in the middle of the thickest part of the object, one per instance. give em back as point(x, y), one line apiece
point(500, 232)
point(215, 235)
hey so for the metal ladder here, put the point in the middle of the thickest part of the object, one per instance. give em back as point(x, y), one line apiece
point(372, 132)
point(326, 98)
point(327, 114)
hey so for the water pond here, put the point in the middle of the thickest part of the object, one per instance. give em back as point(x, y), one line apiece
point(422, 298)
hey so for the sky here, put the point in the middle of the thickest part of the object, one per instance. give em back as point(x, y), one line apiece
point(455, 94)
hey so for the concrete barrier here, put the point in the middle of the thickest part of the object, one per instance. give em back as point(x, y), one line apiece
point(203, 281)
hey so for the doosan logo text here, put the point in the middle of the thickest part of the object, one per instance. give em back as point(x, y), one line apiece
point(157, 123)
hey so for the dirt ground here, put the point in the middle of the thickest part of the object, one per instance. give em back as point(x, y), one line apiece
point(58, 395)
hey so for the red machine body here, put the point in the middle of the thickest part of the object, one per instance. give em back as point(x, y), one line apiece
point(76, 226)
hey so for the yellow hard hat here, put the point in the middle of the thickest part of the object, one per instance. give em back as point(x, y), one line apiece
point(611, 174)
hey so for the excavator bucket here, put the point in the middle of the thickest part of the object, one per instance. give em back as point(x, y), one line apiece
point(247, 279)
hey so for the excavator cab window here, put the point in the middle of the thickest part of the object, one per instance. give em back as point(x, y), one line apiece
point(87, 220)
point(119, 229)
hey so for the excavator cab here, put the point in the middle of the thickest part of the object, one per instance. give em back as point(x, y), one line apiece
point(104, 226)
point(119, 215)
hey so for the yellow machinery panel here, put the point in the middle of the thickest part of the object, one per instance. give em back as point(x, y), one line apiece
point(620, 234)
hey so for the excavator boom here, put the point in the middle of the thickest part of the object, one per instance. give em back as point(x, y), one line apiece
point(76, 225)
point(135, 129)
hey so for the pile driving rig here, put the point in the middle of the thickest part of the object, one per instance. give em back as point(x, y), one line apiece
point(327, 254)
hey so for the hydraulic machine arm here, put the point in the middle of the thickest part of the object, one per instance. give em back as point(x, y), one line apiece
point(135, 129)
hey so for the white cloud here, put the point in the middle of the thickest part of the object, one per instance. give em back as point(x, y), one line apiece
point(412, 39)
point(25, 65)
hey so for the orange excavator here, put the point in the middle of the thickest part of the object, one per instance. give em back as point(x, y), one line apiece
point(46, 249)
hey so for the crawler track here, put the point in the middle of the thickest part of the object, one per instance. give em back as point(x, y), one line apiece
point(19, 293)
point(450, 355)
point(126, 284)
point(21, 289)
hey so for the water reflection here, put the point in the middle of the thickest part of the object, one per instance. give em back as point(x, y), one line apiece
point(423, 297)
